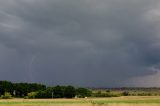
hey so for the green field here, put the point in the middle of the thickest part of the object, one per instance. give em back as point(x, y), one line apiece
point(118, 101)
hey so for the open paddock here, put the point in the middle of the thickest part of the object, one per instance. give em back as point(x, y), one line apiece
point(114, 101)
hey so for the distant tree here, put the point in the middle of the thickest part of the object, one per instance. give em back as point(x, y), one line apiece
point(125, 93)
point(58, 92)
point(69, 92)
point(22, 89)
point(49, 92)
point(108, 91)
point(6, 86)
point(2, 90)
point(83, 92)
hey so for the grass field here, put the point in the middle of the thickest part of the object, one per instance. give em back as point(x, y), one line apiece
point(116, 101)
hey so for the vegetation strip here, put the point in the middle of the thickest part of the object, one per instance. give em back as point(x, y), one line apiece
point(129, 101)
point(40, 102)
point(88, 101)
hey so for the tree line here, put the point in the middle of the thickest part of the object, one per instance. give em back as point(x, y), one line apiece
point(35, 90)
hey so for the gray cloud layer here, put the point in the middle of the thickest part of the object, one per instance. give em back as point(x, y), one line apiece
point(96, 43)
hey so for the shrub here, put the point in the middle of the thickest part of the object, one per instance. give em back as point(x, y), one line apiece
point(31, 95)
point(6, 95)
point(105, 94)
point(40, 94)
point(125, 93)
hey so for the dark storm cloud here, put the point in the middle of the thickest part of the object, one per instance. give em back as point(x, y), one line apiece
point(82, 42)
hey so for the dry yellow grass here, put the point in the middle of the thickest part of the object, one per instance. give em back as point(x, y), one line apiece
point(116, 101)
point(84, 105)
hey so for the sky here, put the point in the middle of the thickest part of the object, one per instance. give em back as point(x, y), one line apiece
point(91, 43)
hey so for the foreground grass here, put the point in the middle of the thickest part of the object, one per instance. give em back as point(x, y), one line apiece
point(85, 102)
point(128, 100)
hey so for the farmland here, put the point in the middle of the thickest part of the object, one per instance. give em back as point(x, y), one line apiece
point(114, 101)
point(33, 94)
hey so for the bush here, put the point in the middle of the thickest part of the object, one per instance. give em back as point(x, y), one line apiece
point(6, 95)
point(125, 93)
point(31, 95)
point(106, 94)
point(41, 94)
